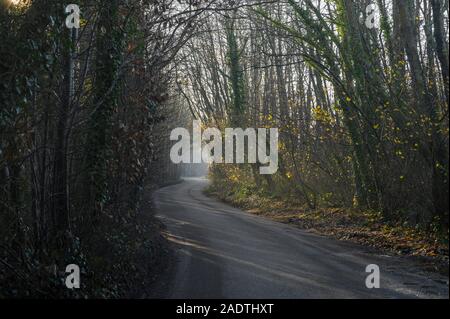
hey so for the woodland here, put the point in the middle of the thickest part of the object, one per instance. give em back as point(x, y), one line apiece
point(359, 91)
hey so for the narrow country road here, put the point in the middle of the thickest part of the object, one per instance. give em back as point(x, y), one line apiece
point(223, 252)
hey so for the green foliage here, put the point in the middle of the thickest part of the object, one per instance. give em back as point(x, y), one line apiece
point(78, 134)
point(236, 75)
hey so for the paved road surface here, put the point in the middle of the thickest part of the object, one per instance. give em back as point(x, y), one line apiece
point(223, 252)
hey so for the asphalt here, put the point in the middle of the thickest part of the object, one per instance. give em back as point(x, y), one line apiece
point(222, 252)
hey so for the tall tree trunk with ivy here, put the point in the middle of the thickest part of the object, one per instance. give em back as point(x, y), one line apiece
point(435, 146)
point(236, 75)
point(107, 69)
